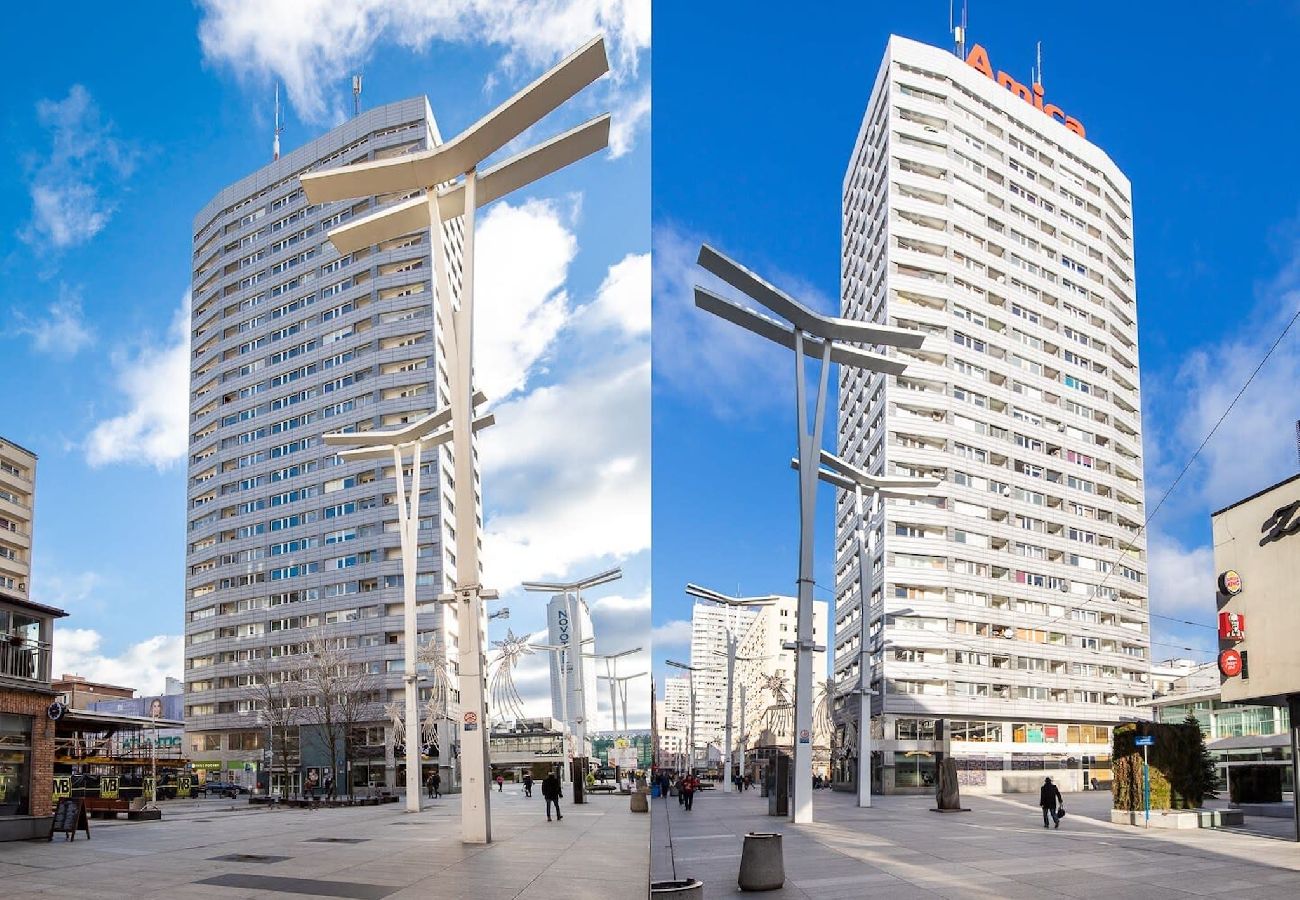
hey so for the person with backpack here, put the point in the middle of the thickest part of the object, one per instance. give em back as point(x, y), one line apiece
point(1049, 798)
point(551, 793)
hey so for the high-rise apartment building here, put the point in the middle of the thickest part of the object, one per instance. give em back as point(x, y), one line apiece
point(1007, 622)
point(17, 501)
point(288, 547)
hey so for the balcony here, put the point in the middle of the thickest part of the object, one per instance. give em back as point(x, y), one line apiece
point(26, 633)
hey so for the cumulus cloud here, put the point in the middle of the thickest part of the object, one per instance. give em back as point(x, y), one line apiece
point(623, 301)
point(1181, 578)
point(673, 633)
point(72, 182)
point(144, 666)
point(312, 44)
point(60, 331)
point(523, 256)
point(155, 383)
point(630, 117)
point(71, 591)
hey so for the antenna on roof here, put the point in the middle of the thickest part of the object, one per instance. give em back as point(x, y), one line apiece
point(356, 94)
point(279, 126)
point(958, 29)
point(1038, 73)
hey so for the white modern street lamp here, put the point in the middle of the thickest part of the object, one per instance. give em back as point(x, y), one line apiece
point(611, 675)
point(561, 653)
point(690, 728)
point(399, 444)
point(435, 172)
point(847, 477)
point(733, 645)
point(823, 337)
point(572, 592)
point(622, 681)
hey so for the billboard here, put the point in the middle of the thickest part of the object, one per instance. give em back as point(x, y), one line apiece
point(1257, 566)
point(157, 706)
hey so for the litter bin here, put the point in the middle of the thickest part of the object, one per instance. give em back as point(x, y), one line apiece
point(762, 862)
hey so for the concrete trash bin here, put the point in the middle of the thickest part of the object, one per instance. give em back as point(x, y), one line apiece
point(640, 803)
point(682, 889)
point(762, 862)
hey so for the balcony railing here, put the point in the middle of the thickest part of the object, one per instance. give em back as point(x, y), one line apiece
point(24, 658)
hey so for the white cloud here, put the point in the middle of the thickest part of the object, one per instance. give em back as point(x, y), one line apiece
point(630, 116)
point(1181, 578)
point(312, 44)
point(623, 301)
point(522, 261)
point(155, 382)
point(144, 665)
point(61, 331)
point(55, 586)
point(673, 633)
point(71, 182)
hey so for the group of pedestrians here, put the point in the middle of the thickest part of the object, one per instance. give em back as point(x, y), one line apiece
point(433, 784)
point(686, 786)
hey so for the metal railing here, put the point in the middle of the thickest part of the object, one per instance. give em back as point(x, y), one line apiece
point(24, 658)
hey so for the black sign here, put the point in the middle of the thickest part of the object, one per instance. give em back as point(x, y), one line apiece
point(69, 818)
point(1284, 521)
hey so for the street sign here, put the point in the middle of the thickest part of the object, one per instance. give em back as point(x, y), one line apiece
point(471, 721)
point(1145, 740)
point(803, 736)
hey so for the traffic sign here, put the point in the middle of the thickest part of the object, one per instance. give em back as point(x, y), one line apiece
point(1145, 740)
point(471, 721)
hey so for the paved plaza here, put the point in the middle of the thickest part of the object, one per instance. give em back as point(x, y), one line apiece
point(223, 849)
point(900, 849)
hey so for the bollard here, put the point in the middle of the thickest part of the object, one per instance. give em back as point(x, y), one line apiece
point(639, 802)
point(762, 862)
point(681, 889)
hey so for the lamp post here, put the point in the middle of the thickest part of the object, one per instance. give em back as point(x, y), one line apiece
point(434, 172)
point(690, 727)
point(733, 641)
point(611, 675)
point(847, 477)
point(572, 593)
point(399, 444)
point(823, 337)
point(622, 681)
point(561, 652)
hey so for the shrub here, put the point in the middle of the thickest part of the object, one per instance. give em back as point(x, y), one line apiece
point(1182, 773)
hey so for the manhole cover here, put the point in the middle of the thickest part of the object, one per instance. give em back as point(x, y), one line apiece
point(336, 840)
point(247, 858)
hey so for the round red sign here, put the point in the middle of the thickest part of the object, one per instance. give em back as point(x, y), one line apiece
point(1230, 663)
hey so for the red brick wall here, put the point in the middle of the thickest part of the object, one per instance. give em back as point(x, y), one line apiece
point(30, 703)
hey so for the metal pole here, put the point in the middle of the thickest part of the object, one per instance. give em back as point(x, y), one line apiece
point(731, 677)
point(1293, 714)
point(744, 735)
point(573, 603)
point(566, 768)
point(1146, 787)
point(809, 462)
point(153, 766)
point(611, 668)
point(407, 536)
point(690, 740)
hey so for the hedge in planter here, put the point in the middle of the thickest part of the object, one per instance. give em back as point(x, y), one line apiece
point(1182, 773)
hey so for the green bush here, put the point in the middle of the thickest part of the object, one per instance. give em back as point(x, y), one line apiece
point(1182, 773)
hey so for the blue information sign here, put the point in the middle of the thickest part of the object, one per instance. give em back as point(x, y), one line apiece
point(1145, 740)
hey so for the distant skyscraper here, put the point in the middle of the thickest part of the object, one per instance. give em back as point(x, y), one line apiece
point(1008, 620)
point(569, 625)
point(286, 544)
point(17, 500)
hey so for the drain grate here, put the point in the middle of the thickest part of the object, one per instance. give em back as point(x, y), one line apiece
point(333, 840)
point(248, 858)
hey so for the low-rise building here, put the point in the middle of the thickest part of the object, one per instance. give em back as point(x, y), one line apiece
point(77, 692)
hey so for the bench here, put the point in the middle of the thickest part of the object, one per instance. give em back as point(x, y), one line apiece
point(601, 787)
point(98, 808)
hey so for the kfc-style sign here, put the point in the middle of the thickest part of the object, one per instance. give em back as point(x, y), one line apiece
point(1232, 626)
point(978, 59)
point(1230, 663)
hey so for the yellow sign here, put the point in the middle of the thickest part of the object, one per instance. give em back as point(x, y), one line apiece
point(108, 787)
point(184, 785)
point(62, 786)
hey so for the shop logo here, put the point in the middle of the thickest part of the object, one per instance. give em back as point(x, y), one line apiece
point(1232, 626)
point(1284, 521)
point(978, 59)
point(1230, 663)
point(1230, 583)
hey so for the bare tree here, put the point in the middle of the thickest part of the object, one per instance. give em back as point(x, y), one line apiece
point(276, 695)
point(339, 694)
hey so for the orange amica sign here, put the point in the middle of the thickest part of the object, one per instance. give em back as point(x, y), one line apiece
point(978, 59)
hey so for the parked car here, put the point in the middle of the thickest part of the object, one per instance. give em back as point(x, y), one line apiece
point(221, 789)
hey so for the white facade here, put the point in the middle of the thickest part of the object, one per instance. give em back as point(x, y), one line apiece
point(569, 625)
point(972, 215)
point(710, 623)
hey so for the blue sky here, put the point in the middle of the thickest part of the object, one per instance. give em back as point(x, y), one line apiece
point(755, 116)
point(119, 132)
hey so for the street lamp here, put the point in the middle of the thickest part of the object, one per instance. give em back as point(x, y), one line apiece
point(690, 728)
point(733, 643)
point(434, 172)
point(572, 593)
point(622, 681)
point(409, 440)
point(611, 675)
point(561, 652)
point(847, 477)
point(824, 337)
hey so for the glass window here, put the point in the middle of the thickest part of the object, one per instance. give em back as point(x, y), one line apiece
point(15, 764)
point(914, 768)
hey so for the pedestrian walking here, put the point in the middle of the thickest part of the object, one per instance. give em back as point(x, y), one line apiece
point(428, 786)
point(1049, 798)
point(437, 785)
point(551, 793)
point(500, 783)
point(689, 786)
point(681, 789)
point(528, 784)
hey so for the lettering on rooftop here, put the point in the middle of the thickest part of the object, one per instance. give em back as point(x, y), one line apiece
point(978, 59)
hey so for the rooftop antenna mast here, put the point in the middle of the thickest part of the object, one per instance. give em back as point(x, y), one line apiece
point(279, 125)
point(356, 94)
point(1037, 73)
point(958, 29)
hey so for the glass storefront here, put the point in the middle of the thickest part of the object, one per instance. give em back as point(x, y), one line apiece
point(15, 764)
point(914, 768)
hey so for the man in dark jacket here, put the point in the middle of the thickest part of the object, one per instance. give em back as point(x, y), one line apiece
point(1049, 798)
point(551, 792)
point(690, 784)
point(528, 784)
